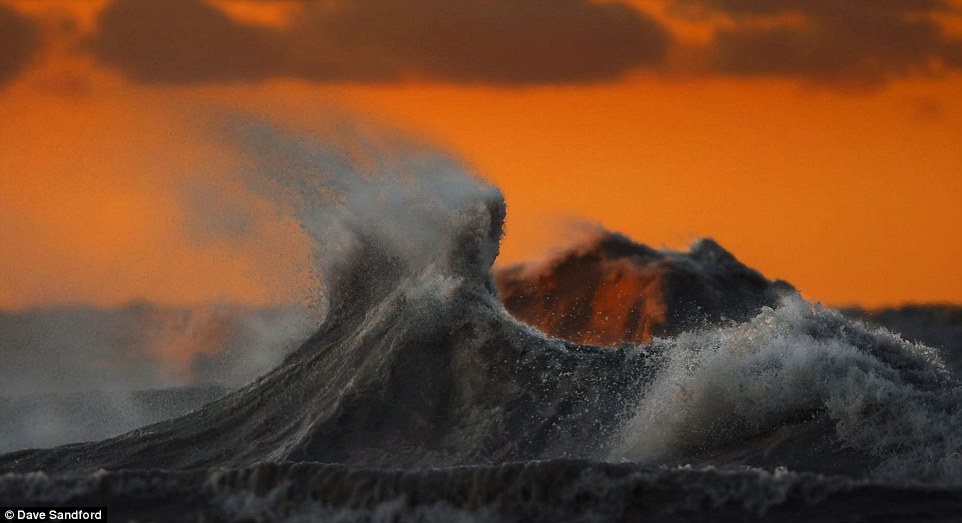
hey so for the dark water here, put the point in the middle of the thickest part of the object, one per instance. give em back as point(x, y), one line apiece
point(538, 491)
point(421, 399)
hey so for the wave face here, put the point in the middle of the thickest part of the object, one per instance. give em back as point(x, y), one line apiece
point(416, 364)
point(413, 367)
point(433, 400)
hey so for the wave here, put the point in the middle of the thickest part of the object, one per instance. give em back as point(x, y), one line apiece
point(891, 402)
point(418, 365)
point(611, 290)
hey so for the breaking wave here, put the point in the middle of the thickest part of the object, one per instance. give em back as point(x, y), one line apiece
point(418, 382)
point(891, 402)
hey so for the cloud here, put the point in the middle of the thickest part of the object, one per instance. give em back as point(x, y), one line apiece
point(472, 41)
point(19, 41)
point(184, 41)
point(837, 41)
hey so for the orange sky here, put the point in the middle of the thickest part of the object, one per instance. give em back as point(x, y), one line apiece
point(850, 194)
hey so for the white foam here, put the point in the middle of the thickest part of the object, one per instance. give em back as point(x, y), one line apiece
point(886, 396)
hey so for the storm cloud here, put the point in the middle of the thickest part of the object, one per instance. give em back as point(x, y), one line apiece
point(470, 41)
point(19, 42)
point(850, 41)
point(511, 42)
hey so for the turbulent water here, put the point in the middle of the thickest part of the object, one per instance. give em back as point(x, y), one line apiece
point(610, 290)
point(420, 398)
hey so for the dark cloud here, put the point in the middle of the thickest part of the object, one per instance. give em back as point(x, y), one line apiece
point(849, 41)
point(182, 41)
point(773, 7)
point(19, 41)
point(489, 41)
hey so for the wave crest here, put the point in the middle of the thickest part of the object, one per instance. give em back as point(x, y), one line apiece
point(744, 391)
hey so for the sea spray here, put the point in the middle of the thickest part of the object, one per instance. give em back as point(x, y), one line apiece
point(722, 387)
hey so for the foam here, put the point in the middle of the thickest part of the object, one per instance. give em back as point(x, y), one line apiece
point(718, 387)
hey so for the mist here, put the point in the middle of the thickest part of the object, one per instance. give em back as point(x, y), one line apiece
point(85, 372)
